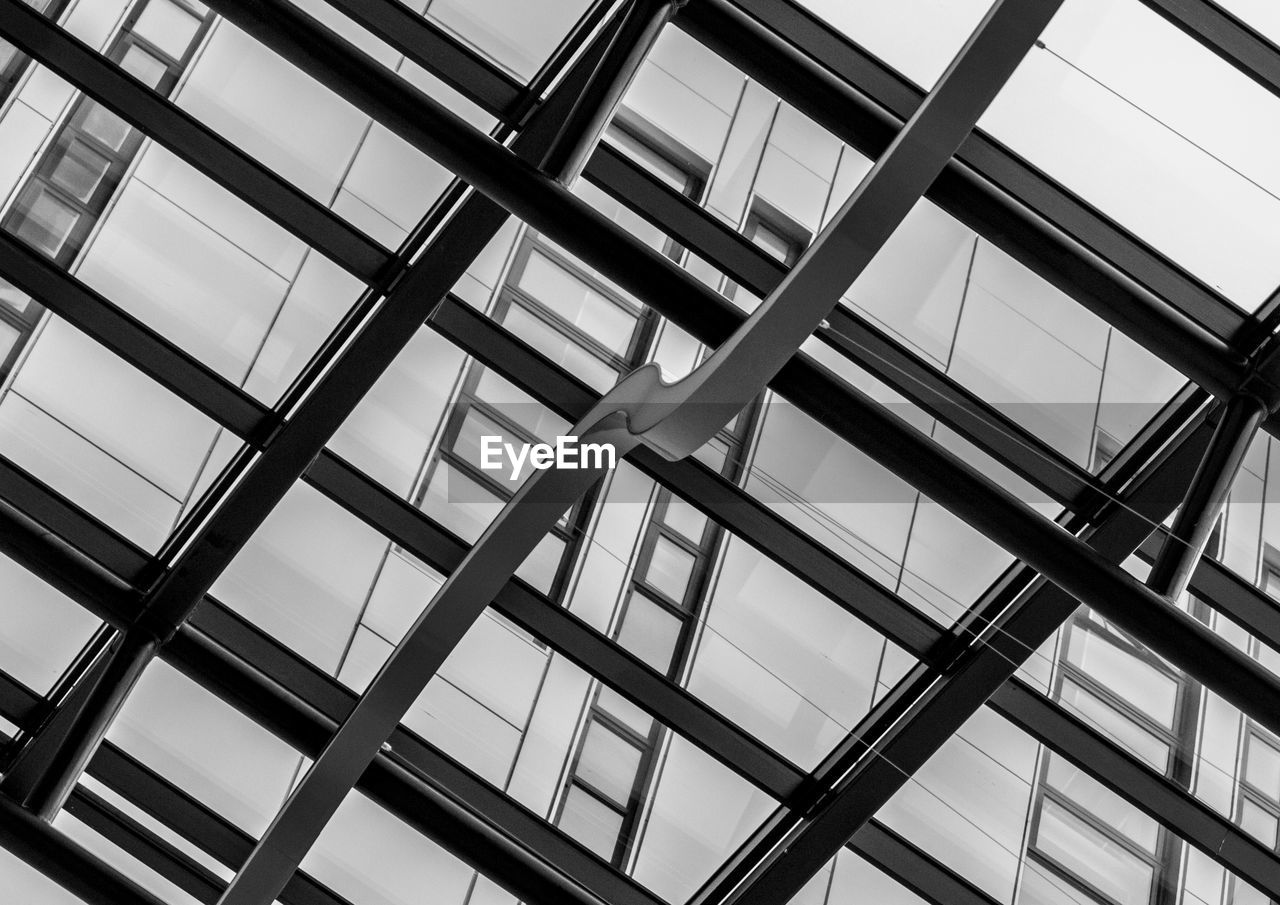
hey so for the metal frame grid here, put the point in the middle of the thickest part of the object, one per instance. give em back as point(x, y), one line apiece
point(157, 606)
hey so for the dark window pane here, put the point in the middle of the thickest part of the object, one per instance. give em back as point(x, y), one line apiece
point(47, 221)
point(80, 170)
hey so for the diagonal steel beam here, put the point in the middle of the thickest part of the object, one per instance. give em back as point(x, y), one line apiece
point(69, 865)
point(1199, 512)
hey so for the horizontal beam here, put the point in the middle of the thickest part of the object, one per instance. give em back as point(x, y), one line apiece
point(1227, 37)
point(105, 322)
point(66, 863)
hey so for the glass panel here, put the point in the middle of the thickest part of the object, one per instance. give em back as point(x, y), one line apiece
point(1136, 682)
point(1125, 732)
point(684, 518)
point(560, 349)
point(894, 32)
point(649, 631)
point(205, 747)
point(41, 630)
point(670, 569)
point(608, 763)
point(1262, 767)
point(1104, 804)
point(578, 303)
point(167, 26)
point(1258, 823)
point(80, 170)
point(518, 34)
point(1087, 852)
point(590, 821)
point(367, 855)
point(47, 221)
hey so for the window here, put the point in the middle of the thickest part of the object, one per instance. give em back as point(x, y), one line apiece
point(777, 235)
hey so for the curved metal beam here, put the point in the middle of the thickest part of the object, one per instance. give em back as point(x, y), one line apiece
point(674, 419)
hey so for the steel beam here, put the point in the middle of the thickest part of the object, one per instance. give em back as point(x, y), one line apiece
point(1198, 514)
point(64, 862)
point(105, 322)
point(1235, 42)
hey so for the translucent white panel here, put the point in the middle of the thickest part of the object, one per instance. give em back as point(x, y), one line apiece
point(608, 763)
point(394, 178)
point(41, 630)
point(1032, 353)
point(304, 575)
point(948, 564)
point(916, 282)
point(968, 805)
point(811, 477)
point(894, 33)
point(705, 72)
point(205, 747)
point(224, 213)
point(367, 855)
point(270, 109)
point(797, 677)
point(22, 130)
point(443, 714)
point(115, 407)
point(677, 110)
point(320, 295)
point(179, 277)
point(86, 475)
point(701, 812)
point(125, 863)
point(857, 881)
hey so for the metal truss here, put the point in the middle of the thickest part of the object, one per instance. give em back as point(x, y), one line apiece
point(160, 604)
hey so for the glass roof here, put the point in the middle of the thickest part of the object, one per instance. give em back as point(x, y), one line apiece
point(267, 317)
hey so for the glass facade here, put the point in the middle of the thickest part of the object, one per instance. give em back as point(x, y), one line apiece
point(202, 224)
